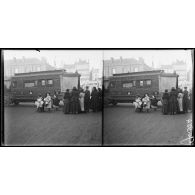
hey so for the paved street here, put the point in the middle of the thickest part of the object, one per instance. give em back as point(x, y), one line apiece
point(25, 126)
point(123, 126)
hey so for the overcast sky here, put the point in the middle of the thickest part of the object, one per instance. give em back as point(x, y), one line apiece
point(158, 57)
point(95, 57)
point(60, 56)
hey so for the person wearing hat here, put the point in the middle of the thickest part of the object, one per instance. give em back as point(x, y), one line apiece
point(180, 101)
point(81, 100)
point(75, 101)
point(165, 102)
point(87, 99)
point(185, 100)
point(66, 108)
point(173, 101)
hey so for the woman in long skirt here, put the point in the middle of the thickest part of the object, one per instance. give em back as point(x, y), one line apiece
point(173, 101)
point(87, 99)
point(165, 102)
point(75, 101)
point(185, 100)
point(94, 100)
point(81, 100)
point(66, 109)
point(180, 101)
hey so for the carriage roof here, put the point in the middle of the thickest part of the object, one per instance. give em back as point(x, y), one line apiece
point(145, 73)
point(46, 73)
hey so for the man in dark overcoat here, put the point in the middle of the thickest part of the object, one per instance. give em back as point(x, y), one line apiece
point(87, 99)
point(185, 100)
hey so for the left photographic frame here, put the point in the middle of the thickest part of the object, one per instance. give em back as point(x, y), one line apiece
point(51, 97)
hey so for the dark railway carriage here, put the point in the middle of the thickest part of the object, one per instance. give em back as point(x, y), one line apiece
point(124, 87)
point(25, 87)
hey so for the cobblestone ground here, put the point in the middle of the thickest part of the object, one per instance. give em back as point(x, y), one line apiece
point(24, 126)
point(122, 125)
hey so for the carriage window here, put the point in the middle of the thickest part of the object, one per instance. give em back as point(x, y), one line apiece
point(134, 83)
point(43, 82)
point(127, 85)
point(29, 84)
point(148, 82)
point(141, 83)
point(50, 82)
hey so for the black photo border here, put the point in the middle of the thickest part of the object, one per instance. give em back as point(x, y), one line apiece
point(102, 144)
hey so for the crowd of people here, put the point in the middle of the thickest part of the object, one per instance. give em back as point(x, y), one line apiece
point(75, 101)
point(174, 102)
point(177, 101)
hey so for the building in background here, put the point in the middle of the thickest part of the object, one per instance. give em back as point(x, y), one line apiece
point(124, 65)
point(82, 67)
point(180, 67)
point(94, 74)
point(24, 65)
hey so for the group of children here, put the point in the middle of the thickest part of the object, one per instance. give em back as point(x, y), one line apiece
point(174, 102)
point(46, 102)
point(145, 103)
point(75, 101)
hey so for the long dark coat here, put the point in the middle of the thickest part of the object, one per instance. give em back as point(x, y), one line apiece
point(94, 101)
point(100, 100)
point(173, 102)
point(87, 100)
point(165, 102)
point(66, 109)
point(75, 102)
point(185, 101)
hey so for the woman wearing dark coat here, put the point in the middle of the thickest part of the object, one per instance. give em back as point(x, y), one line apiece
point(99, 99)
point(165, 102)
point(66, 109)
point(173, 101)
point(75, 101)
point(94, 99)
point(87, 99)
point(185, 100)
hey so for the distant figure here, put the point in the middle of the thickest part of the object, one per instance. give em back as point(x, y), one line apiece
point(173, 101)
point(66, 108)
point(185, 100)
point(180, 101)
point(81, 100)
point(87, 99)
point(94, 99)
point(47, 101)
point(146, 102)
point(165, 102)
point(154, 103)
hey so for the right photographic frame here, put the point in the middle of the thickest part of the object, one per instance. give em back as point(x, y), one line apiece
point(148, 97)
